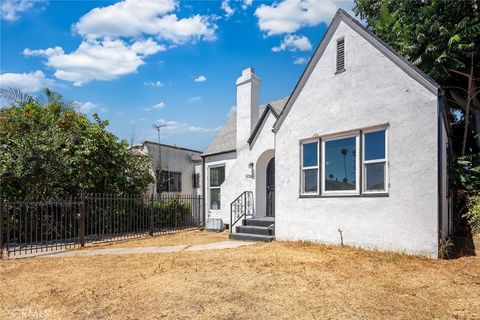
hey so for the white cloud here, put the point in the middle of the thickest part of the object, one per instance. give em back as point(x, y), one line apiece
point(153, 83)
point(300, 60)
point(27, 82)
point(97, 60)
point(157, 106)
point(294, 43)
point(86, 107)
point(229, 11)
point(288, 16)
point(246, 4)
point(10, 9)
point(193, 99)
point(200, 78)
point(179, 127)
point(132, 18)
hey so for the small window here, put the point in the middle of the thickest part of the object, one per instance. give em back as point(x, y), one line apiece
point(340, 55)
point(217, 177)
point(375, 161)
point(310, 168)
point(169, 181)
point(196, 180)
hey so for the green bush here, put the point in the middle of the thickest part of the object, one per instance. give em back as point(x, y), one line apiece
point(171, 213)
point(473, 213)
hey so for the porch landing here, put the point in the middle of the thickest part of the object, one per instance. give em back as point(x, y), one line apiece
point(255, 229)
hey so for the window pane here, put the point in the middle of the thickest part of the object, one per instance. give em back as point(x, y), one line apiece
point(215, 198)
point(310, 158)
point(375, 145)
point(375, 175)
point(340, 164)
point(310, 177)
point(217, 176)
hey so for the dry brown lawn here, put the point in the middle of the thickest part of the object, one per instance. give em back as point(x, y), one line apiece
point(280, 280)
point(171, 239)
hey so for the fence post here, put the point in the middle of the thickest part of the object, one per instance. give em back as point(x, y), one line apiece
point(1, 225)
point(82, 221)
point(150, 231)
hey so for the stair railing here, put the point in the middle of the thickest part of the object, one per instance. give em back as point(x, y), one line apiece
point(241, 207)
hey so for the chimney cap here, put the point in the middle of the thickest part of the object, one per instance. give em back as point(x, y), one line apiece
point(248, 70)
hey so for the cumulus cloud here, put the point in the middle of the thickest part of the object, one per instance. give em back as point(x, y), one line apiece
point(10, 9)
point(153, 83)
point(246, 4)
point(229, 11)
point(27, 82)
point(97, 60)
point(200, 78)
point(182, 127)
point(86, 107)
point(294, 43)
point(300, 60)
point(132, 18)
point(288, 16)
point(157, 106)
point(193, 99)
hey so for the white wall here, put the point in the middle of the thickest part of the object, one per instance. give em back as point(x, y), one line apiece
point(372, 91)
point(179, 160)
point(236, 170)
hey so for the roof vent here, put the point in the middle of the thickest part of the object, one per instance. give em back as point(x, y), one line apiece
point(340, 55)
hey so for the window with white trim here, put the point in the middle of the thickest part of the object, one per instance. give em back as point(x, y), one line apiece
point(309, 183)
point(375, 161)
point(340, 165)
point(216, 178)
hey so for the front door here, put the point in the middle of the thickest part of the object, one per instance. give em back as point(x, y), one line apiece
point(271, 188)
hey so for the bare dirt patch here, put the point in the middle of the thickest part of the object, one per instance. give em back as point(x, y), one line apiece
point(280, 280)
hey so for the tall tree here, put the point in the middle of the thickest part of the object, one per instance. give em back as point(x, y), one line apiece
point(47, 149)
point(442, 38)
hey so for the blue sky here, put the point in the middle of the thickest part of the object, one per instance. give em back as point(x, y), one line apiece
point(137, 63)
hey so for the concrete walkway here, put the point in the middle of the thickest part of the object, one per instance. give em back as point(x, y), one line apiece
point(165, 249)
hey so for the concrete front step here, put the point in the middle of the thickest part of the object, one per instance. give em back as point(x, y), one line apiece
point(265, 231)
point(250, 237)
point(258, 222)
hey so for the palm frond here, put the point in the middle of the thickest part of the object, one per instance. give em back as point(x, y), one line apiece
point(15, 96)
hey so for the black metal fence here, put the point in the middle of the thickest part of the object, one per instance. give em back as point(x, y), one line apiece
point(28, 227)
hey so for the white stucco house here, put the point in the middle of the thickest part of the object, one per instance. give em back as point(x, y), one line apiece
point(356, 155)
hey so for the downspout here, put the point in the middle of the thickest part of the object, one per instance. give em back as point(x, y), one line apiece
point(440, 123)
point(204, 192)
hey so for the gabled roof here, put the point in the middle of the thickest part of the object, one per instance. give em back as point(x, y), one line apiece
point(226, 139)
point(342, 16)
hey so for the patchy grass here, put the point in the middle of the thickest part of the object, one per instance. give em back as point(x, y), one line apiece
point(171, 239)
point(279, 280)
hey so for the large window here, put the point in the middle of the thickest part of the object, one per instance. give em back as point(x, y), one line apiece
point(375, 161)
point(340, 174)
point(309, 168)
point(355, 163)
point(217, 176)
point(169, 181)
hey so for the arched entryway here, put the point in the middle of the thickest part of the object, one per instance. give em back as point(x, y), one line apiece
point(265, 184)
point(270, 188)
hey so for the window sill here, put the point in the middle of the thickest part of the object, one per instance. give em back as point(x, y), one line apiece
point(364, 195)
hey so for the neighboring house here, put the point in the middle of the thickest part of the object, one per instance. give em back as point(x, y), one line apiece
point(181, 168)
point(356, 155)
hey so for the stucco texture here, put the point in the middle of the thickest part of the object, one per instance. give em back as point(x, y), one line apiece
point(372, 91)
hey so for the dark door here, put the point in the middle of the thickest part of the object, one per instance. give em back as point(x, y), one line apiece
point(271, 188)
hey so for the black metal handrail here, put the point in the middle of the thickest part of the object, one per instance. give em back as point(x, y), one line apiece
point(241, 207)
